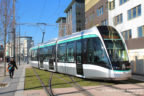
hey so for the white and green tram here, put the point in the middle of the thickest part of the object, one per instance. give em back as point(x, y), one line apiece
point(96, 53)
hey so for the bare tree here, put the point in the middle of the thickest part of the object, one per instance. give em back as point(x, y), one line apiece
point(5, 24)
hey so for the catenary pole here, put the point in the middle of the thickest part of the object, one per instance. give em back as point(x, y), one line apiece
point(19, 46)
point(5, 36)
point(43, 37)
point(13, 28)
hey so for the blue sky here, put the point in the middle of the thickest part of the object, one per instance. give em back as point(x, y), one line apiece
point(40, 11)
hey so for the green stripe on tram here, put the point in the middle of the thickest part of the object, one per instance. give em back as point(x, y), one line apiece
point(77, 38)
point(47, 45)
point(121, 70)
point(42, 46)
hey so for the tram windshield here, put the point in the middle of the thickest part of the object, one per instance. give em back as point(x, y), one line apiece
point(114, 44)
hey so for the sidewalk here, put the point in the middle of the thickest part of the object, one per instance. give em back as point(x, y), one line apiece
point(15, 86)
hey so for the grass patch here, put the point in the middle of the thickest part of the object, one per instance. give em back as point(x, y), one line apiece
point(31, 81)
point(56, 82)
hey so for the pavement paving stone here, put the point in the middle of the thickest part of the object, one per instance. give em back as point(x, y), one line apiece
point(108, 91)
point(137, 91)
point(141, 84)
point(127, 86)
point(67, 92)
point(35, 93)
point(1, 74)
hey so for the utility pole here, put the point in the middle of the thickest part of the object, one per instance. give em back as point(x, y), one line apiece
point(43, 36)
point(5, 36)
point(13, 28)
point(19, 46)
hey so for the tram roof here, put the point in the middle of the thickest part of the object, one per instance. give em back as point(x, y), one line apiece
point(76, 34)
point(80, 33)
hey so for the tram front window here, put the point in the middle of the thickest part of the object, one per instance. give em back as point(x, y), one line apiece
point(96, 53)
point(115, 48)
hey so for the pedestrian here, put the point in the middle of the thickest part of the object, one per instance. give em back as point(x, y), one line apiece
point(11, 67)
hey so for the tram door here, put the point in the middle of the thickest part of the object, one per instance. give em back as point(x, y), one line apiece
point(40, 58)
point(51, 52)
point(41, 64)
point(79, 66)
point(51, 64)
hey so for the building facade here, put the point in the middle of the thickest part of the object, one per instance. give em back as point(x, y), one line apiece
point(96, 13)
point(22, 46)
point(26, 43)
point(62, 26)
point(128, 18)
point(75, 20)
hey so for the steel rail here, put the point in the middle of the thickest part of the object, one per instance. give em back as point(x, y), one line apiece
point(48, 91)
point(77, 86)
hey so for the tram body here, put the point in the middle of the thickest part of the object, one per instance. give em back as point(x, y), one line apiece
point(96, 53)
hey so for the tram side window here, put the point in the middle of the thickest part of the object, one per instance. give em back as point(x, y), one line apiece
point(54, 51)
point(84, 49)
point(78, 51)
point(49, 52)
point(61, 52)
point(34, 55)
point(43, 54)
point(96, 53)
point(70, 52)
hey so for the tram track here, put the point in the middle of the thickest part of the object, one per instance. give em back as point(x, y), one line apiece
point(77, 86)
point(74, 84)
point(48, 90)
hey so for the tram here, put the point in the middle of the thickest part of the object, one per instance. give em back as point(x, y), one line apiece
point(96, 53)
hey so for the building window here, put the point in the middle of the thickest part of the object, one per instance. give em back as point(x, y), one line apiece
point(112, 5)
point(141, 31)
point(91, 17)
point(139, 10)
point(104, 22)
point(100, 11)
point(127, 34)
point(122, 1)
point(106, 5)
point(118, 19)
point(64, 31)
point(86, 21)
point(134, 12)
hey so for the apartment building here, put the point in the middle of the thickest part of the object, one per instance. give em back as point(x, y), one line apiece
point(62, 26)
point(96, 13)
point(127, 16)
point(75, 19)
